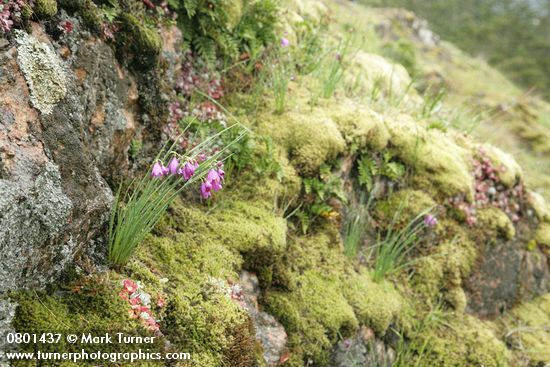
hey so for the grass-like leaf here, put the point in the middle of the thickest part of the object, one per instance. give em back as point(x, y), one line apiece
point(391, 250)
point(138, 210)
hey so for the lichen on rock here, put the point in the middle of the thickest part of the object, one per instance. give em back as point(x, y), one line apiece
point(26, 229)
point(43, 72)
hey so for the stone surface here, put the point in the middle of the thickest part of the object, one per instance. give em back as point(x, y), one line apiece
point(7, 312)
point(42, 70)
point(269, 332)
point(363, 349)
point(505, 274)
point(68, 112)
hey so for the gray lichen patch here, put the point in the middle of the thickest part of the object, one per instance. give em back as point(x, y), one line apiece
point(42, 70)
point(7, 313)
point(32, 214)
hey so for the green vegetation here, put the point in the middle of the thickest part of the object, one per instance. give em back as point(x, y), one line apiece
point(512, 35)
point(146, 200)
point(227, 28)
point(331, 204)
point(391, 250)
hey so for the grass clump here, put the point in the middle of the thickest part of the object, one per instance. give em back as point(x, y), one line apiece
point(390, 252)
point(136, 212)
point(354, 227)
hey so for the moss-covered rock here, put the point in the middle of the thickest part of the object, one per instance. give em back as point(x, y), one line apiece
point(510, 172)
point(360, 126)
point(402, 207)
point(137, 42)
point(315, 314)
point(376, 305)
point(537, 202)
point(440, 165)
point(494, 224)
point(441, 272)
point(542, 235)
point(370, 71)
point(309, 138)
point(527, 329)
point(464, 341)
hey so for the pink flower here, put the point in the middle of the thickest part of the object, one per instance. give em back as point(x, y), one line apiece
point(285, 42)
point(158, 170)
point(214, 179)
point(206, 190)
point(188, 170)
point(430, 221)
point(5, 22)
point(129, 286)
point(173, 166)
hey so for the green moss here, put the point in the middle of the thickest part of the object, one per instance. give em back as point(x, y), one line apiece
point(321, 251)
point(542, 235)
point(309, 138)
point(527, 330)
point(192, 256)
point(440, 164)
point(511, 172)
point(441, 272)
point(45, 9)
point(208, 325)
point(428, 277)
point(376, 305)
point(457, 299)
point(247, 225)
point(90, 305)
point(137, 42)
point(314, 314)
point(537, 202)
point(234, 11)
point(494, 224)
point(359, 125)
point(464, 341)
point(402, 207)
point(368, 71)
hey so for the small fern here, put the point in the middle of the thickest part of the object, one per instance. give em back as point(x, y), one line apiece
point(207, 29)
point(368, 168)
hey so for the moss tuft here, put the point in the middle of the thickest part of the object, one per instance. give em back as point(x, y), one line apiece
point(45, 9)
point(527, 329)
point(309, 138)
point(511, 172)
point(440, 164)
point(494, 224)
point(360, 126)
point(542, 235)
point(138, 43)
point(376, 305)
point(464, 341)
point(314, 314)
point(402, 207)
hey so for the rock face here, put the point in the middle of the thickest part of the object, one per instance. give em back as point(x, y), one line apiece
point(505, 273)
point(54, 200)
point(269, 332)
point(7, 312)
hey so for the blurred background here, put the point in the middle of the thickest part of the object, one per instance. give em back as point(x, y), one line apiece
point(512, 35)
